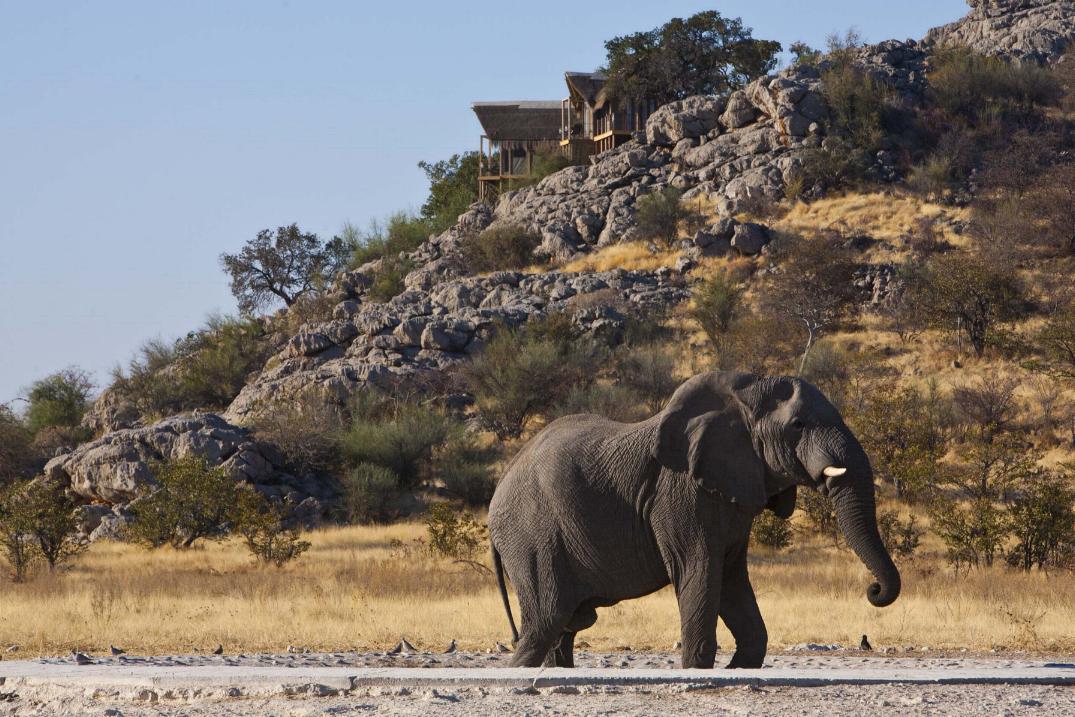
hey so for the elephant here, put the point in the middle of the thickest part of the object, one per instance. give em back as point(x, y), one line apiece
point(592, 512)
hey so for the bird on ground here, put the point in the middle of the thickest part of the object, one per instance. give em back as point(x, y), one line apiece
point(451, 648)
point(81, 658)
point(865, 644)
point(501, 647)
point(397, 649)
point(116, 651)
point(219, 650)
point(14, 647)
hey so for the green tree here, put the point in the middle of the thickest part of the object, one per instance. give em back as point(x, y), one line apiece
point(284, 265)
point(52, 523)
point(16, 530)
point(1056, 342)
point(453, 187)
point(1042, 519)
point(967, 294)
point(900, 430)
point(59, 400)
point(192, 501)
point(703, 54)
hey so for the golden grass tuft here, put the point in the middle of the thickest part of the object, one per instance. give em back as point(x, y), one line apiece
point(354, 590)
point(632, 256)
point(878, 214)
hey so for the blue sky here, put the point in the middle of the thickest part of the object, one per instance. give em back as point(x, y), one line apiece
point(139, 140)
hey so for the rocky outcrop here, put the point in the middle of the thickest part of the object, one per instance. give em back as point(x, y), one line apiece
point(117, 468)
point(727, 151)
point(1034, 30)
point(420, 333)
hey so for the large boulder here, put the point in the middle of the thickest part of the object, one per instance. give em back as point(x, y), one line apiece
point(689, 118)
point(118, 467)
point(1035, 30)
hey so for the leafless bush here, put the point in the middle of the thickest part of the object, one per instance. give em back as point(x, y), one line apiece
point(988, 404)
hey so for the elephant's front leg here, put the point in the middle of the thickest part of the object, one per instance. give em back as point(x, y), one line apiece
point(698, 591)
point(739, 611)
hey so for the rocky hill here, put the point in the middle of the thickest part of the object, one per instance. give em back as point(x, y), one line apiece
point(726, 153)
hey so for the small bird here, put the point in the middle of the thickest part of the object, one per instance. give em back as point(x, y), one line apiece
point(116, 651)
point(865, 644)
point(296, 650)
point(219, 649)
point(397, 649)
point(81, 658)
point(501, 647)
point(451, 648)
point(14, 647)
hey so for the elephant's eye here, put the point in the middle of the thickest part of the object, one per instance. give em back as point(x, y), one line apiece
point(797, 424)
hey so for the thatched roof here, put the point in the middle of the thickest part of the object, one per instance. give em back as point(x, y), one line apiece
point(519, 120)
point(587, 85)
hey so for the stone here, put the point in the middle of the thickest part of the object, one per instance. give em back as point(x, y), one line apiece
point(116, 468)
point(749, 238)
point(739, 112)
point(689, 118)
point(1024, 30)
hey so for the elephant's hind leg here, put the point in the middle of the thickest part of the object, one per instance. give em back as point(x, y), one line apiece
point(563, 655)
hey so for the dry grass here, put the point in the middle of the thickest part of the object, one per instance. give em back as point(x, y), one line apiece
point(880, 215)
point(352, 590)
point(632, 256)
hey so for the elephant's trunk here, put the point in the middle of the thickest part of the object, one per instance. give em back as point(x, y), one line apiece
point(853, 498)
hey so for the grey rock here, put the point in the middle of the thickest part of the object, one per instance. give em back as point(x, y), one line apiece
point(689, 118)
point(749, 238)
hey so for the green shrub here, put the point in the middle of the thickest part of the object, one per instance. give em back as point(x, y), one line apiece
point(973, 534)
point(1042, 518)
point(618, 403)
point(18, 457)
point(465, 469)
point(59, 400)
point(658, 216)
point(770, 531)
point(16, 531)
point(716, 302)
point(520, 374)
point(504, 246)
point(901, 537)
point(857, 104)
point(454, 535)
point(398, 435)
point(453, 187)
point(401, 232)
point(193, 501)
point(267, 528)
point(836, 164)
point(367, 493)
point(388, 280)
point(206, 369)
point(820, 514)
point(546, 161)
point(982, 88)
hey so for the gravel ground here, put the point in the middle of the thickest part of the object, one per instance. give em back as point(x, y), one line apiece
point(886, 699)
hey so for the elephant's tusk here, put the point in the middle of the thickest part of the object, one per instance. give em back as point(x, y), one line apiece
point(833, 471)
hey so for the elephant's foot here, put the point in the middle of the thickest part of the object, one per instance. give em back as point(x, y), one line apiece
point(746, 661)
point(699, 655)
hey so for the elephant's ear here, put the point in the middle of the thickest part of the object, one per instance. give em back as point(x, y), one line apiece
point(721, 459)
point(783, 503)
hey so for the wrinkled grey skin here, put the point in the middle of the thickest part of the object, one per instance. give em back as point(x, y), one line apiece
point(592, 512)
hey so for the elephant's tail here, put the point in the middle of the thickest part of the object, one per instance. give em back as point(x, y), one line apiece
point(498, 566)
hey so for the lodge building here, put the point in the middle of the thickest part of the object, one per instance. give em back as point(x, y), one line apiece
point(584, 123)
